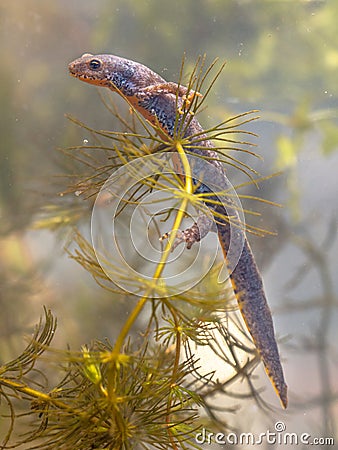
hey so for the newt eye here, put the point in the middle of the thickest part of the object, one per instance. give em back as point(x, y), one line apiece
point(95, 64)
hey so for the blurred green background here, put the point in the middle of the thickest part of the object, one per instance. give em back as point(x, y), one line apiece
point(282, 58)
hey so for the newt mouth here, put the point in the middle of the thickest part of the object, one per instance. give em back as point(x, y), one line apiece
point(72, 70)
point(74, 73)
point(85, 77)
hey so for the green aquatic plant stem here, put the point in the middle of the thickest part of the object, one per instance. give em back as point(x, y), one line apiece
point(178, 344)
point(116, 355)
point(188, 188)
point(48, 399)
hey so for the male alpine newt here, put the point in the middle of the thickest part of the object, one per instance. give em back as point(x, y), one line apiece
point(158, 101)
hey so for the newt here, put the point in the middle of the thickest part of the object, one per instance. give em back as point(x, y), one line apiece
point(159, 101)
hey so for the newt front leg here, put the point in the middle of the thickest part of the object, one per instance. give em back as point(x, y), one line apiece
point(159, 102)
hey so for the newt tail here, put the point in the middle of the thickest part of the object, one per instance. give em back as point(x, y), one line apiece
point(159, 102)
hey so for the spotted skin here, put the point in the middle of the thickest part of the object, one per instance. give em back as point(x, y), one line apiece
point(158, 101)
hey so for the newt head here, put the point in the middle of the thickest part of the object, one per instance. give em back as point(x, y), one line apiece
point(99, 69)
point(114, 72)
